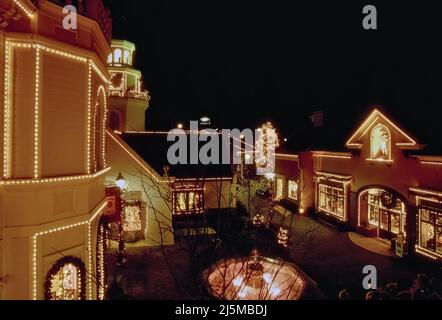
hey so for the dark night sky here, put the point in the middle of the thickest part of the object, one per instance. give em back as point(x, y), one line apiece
point(242, 62)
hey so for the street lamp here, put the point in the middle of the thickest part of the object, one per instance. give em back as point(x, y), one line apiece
point(121, 182)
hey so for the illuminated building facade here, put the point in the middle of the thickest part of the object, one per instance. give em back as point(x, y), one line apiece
point(382, 186)
point(53, 160)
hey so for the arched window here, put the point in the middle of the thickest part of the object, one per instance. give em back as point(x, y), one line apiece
point(114, 121)
point(380, 144)
point(126, 57)
point(118, 56)
point(66, 280)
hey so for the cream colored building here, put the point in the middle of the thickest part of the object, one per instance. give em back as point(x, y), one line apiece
point(53, 159)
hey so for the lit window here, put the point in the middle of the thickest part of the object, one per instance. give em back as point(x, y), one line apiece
point(292, 190)
point(386, 212)
point(65, 280)
point(279, 189)
point(109, 59)
point(132, 219)
point(188, 202)
point(331, 200)
point(430, 229)
point(118, 56)
point(380, 143)
point(126, 57)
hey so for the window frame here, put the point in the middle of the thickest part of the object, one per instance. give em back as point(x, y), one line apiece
point(297, 190)
point(372, 153)
point(434, 220)
point(330, 192)
point(81, 276)
point(194, 209)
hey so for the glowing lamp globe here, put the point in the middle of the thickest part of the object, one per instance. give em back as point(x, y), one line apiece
point(205, 121)
point(121, 182)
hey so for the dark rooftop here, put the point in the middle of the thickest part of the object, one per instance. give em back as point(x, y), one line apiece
point(153, 147)
point(331, 137)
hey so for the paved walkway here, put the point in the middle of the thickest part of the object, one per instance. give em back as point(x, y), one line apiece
point(335, 262)
point(375, 245)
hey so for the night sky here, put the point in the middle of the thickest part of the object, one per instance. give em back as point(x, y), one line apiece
point(243, 62)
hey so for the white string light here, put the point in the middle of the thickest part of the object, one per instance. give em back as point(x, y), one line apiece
point(27, 11)
point(54, 180)
point(63, 228)
point(7, 104)
point(103, 129)
point(6, 112)
point(89, 107)
point(37, 113)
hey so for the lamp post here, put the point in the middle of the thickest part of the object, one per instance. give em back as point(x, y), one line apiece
point(121, 184)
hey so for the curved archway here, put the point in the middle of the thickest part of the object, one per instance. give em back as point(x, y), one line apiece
point(99, 137)
point(66, 280)
point(382, 211)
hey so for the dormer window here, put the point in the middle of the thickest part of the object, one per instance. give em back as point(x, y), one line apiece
point(380, 143)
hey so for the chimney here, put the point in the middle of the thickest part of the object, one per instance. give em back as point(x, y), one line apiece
point(318, 119)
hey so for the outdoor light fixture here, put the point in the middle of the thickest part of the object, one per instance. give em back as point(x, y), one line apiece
point(180, 126)
point(121, 182)
point(301, 210)
point(205, 121)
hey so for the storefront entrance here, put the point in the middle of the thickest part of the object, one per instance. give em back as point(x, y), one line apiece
point(383, 212)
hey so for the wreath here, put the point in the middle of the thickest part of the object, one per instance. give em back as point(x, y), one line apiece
point(52, 278)
point(388, 200)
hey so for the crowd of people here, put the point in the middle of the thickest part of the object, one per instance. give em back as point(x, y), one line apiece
point(423, 288)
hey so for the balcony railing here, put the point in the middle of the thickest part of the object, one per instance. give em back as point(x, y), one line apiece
point(133, 94)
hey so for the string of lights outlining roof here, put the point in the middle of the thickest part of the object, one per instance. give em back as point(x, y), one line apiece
point(369, 121)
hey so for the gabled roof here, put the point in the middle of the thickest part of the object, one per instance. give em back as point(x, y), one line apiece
point(404, 140)
point(336, 132)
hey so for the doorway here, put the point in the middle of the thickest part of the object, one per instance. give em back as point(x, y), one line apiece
point(383, 211)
